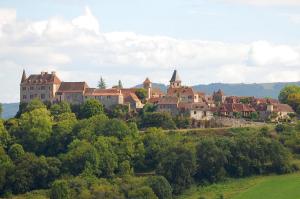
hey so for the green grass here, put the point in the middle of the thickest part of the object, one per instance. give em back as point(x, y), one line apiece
point(259, 187)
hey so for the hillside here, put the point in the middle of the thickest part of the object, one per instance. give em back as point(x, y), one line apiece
point(10, 110)
point(257, 90)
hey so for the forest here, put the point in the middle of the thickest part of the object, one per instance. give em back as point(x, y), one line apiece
point(60, 151)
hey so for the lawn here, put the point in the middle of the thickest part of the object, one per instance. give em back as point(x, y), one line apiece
point(260, 187)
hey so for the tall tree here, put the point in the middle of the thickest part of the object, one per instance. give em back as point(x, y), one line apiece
point(91, 108)
point(101, 83)
point(288, 90)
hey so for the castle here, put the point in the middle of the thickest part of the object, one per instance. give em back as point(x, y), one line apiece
point(178, 100)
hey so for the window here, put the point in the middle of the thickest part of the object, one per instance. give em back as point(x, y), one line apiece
point(43, 87)
point(31, 87)
point(24, 88)
point(24, 97)
point(43, 96)
point(195, 112)
point(31, 96)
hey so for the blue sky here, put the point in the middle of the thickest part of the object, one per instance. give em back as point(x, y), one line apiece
point(206, 40)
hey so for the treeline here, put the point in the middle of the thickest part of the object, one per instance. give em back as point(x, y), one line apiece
point(89, 153)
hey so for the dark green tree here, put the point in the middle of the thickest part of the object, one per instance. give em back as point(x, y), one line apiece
point(120, 85)
point(60, 190)
point(157, 119)
point(101, 83)
point(160, 187)
point(60, 108)
point(16, 152)
point(91, 108)
point(178, 167)
point(142, 193)
point(141, 93)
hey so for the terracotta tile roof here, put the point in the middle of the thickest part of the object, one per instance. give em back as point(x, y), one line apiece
point(193, 106)
point(129, 90)
point(157, 91)
point(168, 100)
point(103, 92)
point(180, 91)
point(43, 78)
point(283, 108)
point(236, 107)
point(131, 97)
point(232, 100)
point(70, 87)
point(154, 100)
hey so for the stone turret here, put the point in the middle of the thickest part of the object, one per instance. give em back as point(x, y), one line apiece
point(23, 76)
point(175, 81)
point(148, 86)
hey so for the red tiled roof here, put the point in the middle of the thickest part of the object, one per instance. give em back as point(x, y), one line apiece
point(129, 97)
point(181, 91)
point(43, 78)
point(157, 91)
point(104, 92)
point(236, 107)
point(283, 108)
point(154, 100)
point(193, 106)
point(168, 100)
point(69, 87)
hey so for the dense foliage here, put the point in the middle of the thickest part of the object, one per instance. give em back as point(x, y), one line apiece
point(291, 95)
point(92, 154)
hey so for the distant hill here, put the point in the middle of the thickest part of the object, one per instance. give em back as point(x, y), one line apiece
point(257, 90)
point(10, 110)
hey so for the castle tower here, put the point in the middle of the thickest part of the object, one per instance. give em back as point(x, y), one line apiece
point(148, 86)
point(175, 81)
point(23, 77)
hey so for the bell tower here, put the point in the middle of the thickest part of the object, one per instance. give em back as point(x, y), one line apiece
point(175, 81)
point(148, 86)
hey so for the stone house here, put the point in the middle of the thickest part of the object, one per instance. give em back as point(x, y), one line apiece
point(196, 111)
point(41, 86)
point(168, 104)
point(274, 112)
point(72, 92)
point(234, 109)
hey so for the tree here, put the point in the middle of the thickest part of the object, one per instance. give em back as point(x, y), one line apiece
point(178, 167)
point(35, 129)
point(34, 104)
point(142, 193)
point(120, 85)
point(81, 155)
point(141, 93)
point(211, 161)
point(16, 152)
point(60, 108)
point(5, 138)
point(288, 90)
point(101, 83)
point(91, 108)
point(160, 187)
point(60, 190)
point(157, 119)
point(5, 165)
point(294, 101)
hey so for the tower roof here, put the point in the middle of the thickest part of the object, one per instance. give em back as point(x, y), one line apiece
point(147, 80)
point(175, 77)
point(23, 77)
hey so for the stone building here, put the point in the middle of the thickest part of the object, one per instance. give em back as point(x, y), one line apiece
point(72, 92)
point(41, 86)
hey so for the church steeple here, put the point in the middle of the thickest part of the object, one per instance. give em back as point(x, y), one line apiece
point(175, 81)
point(23, 76)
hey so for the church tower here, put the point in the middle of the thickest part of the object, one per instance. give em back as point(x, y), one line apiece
point(23, 76)
point(175, 81)
point(148, 86)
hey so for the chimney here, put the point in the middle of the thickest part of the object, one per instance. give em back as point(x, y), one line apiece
point(53, 73)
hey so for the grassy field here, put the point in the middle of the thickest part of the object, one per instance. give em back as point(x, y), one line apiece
point(263, 187)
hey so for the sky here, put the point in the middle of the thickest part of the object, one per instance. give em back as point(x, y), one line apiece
point(207, 41)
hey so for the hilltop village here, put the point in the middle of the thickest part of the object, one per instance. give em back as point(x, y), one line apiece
point(178, 100)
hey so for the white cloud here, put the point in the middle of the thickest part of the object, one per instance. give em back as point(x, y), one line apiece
point(267, 2)
point(79, 51)
point(294, 18)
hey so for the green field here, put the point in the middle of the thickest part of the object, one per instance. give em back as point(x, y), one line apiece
point(266, 187)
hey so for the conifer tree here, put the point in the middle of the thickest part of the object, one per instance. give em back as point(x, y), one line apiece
point(120, 85)
point(101, 83)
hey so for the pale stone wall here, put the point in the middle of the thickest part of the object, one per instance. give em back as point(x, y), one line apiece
point(108, 101)
point(44, 92)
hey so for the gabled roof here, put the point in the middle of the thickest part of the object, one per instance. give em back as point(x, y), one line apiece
point(70, 87)
point(131, 97)
point(43, 78)
point(175, 77)
point(283, 108)
point(168, 100)
point(181, 91)
point(236, 107)
point(103, 92)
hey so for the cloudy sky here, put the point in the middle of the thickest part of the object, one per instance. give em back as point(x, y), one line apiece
point(206, 40)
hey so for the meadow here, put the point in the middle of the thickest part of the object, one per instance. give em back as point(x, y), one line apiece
point(257, 187)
